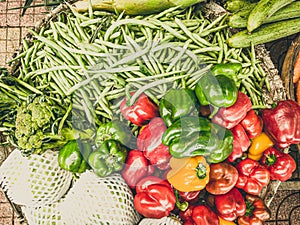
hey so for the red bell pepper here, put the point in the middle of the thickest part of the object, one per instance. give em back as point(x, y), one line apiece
point(252, 176)
point(230, 205)
point(222, 178)
point(280, 165)
point(137, 166)
point(282, 123)
point(149, 142)
point(141, 111)
point(230, 116)
point(252, 124)
point(184, 199)
point(241, 143)
point(204, 215)
point(154, 198)
point(199, 215)
point(189, 196)
point(256, 213)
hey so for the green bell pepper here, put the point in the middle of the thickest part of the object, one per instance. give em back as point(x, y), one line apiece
point(218, 91)
point(108, 158)
point(73, 155)
point(193, 136)
point(228, 69)
point(115, 130)
point(177, 103)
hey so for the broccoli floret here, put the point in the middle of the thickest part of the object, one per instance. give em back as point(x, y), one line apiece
point(40, 112)
point(31, 121)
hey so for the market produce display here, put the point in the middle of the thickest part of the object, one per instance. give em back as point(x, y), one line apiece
point(159, 118)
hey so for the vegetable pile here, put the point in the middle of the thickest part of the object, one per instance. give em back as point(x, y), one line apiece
point(166, 100)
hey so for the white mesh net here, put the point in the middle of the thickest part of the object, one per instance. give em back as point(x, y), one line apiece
point(162, 221)
point(47, 214)
point(36, 180)
point(95, 200)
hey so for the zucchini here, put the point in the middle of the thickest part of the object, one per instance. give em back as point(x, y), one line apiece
point(265, 33)
point(236, 5)
point(239, 19)
point(263, 10)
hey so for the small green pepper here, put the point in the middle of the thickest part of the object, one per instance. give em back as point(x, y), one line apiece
point(107, 158)
point(193, 136)
point(115, 130)
point(219, 91)
point(177, 103)
point(73, 155)
point(230, 70)
point(227, 69)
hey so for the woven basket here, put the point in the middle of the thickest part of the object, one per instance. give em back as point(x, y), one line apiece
point(277, 89)
point(288, 67)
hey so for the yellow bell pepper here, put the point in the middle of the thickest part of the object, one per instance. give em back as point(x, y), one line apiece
point(188, 174)
point(225, 222)
point(258, 145)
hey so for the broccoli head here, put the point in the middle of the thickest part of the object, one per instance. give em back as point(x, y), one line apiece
point(31, 120)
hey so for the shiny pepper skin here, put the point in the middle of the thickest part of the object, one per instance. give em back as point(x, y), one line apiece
point(258, 145)
point(229, 117)
point(280, 165)
point(257, 212)
point(252, 124)
point(140, 112)
point(188, 174)
point(230, 205)
point(154, 197)
point(282, 123)
point(136, 167)
point(149, 141)
point(222, 178)
point(241, 143)
point(252, 176)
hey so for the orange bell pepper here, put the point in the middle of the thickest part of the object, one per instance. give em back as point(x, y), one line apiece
point(188, 174)
point(226, 222)
point(258, 145)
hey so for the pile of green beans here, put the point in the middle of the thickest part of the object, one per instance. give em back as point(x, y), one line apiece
point(98, 57)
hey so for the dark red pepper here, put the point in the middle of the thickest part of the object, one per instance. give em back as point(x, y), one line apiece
point(222, 178)
point(252, 176)
point(229, 117)
point(204, 215)
point(137, 166)
point(282, 123)
point(256, 213)
point(199, 215)
point(149, 141)
point(189, 196)
point(154, 198)
point(241, 143)
point(141, 111)
point(280, 165)
point(252, 124)
point(230, 205)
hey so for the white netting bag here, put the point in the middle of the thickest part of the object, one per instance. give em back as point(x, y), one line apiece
point(35, 180)
point(162, 221)
point(95, 200)
point(47, 214)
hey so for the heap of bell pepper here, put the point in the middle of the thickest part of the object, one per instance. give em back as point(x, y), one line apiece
point(208, 168)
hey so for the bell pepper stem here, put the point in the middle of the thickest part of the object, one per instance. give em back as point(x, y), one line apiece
point(182, 206)
point(201, 171)
point(249, 209)
point(270, 159)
